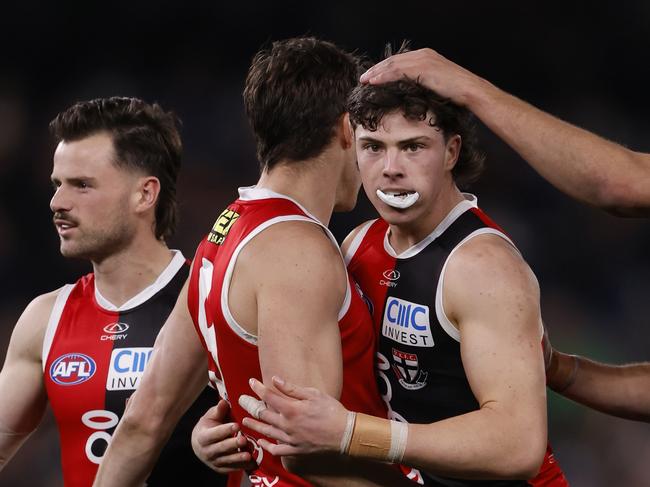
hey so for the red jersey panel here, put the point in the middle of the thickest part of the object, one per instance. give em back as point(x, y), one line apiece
point(233, 352)
point(94, 356)
point(420, 371)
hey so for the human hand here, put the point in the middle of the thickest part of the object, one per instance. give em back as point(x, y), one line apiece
point(218, 444)
point(431, 69)
point(303, 420)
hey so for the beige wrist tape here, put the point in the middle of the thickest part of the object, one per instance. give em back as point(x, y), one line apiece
point(375, 438)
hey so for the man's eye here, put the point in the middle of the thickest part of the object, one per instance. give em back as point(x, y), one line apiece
point(414, 147)
point(372, 147)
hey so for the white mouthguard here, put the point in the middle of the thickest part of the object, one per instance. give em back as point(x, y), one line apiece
point(400, 202)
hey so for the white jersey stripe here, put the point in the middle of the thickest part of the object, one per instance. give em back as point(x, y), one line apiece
point(53, 322)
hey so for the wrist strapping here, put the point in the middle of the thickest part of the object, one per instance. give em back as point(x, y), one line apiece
point(375, 438)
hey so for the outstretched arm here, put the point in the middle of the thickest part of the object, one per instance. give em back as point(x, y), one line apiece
point(173, 379)
point(579, 163)
point(22, 393)
point(619, 390)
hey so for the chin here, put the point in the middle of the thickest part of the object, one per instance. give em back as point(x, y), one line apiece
point(395, 216)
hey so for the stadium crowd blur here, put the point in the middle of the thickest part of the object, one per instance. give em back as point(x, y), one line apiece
point(585, 62)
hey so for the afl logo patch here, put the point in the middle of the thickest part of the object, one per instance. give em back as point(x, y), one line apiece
point(72, 369)
point(115, 328)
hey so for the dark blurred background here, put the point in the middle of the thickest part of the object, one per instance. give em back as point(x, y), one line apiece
point(585, 62)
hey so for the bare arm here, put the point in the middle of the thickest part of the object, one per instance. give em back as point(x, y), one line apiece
point(172, 381)
point(619, 390)
point(22, 393)
point(579, 163)
point(498, 315)
point(299, 294)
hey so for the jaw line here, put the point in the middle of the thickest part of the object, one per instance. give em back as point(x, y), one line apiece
point(400, 203)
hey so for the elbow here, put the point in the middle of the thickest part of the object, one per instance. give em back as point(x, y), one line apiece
point(526, 466)
point(140, 420)
point(525, 459)
point(625, 193)
point(522, 451)
point(618, 199)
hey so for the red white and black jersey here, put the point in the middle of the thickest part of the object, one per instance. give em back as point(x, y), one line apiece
point(420, 370)
point(233, 352)
point(94, 355)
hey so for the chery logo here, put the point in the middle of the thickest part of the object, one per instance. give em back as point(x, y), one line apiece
point(115, 328)
point(391, 274)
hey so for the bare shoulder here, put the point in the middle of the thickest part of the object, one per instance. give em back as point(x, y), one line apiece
point(292, 250)
point(345, 246)
point(489, 258)
point(291, 241)
point(488, 272)
point(28, 334)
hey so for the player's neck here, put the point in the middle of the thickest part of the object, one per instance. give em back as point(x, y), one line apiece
point(403, 236)
point(311, 183)
point(122, 275)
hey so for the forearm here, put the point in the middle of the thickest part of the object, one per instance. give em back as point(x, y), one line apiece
point(483, 444)
point(133, 452)
point(577, 162)
point(619, 390)
point(10, 442)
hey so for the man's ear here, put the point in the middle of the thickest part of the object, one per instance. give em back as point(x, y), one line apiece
point(147, 192)
point(452, 151)
point(346, 131)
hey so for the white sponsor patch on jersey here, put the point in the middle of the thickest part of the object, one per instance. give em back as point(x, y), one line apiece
point(407, 323)
point(127, 367)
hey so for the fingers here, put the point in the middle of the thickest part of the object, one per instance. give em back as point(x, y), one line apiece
point(217, 413)
point(279, 450)
point(277, 401)
point(232, 463)
point(267, 430)
point(292, 390)
point(215, 434)
point(252, 406)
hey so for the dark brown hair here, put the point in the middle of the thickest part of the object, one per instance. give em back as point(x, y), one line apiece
point(369, 103)
point(145, 138)
point(295, 92)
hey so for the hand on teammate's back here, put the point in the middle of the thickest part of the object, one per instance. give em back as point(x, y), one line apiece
point(218, 443)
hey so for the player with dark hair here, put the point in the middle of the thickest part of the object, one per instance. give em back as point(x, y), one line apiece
point(83, 347)
point(455, 307)
point(268, 292)
point(579, 163)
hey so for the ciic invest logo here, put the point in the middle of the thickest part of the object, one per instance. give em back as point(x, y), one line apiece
point(391, 275)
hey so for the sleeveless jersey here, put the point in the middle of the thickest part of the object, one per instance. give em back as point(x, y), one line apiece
point(94, 356)
point(420, 371)
point(233, 352)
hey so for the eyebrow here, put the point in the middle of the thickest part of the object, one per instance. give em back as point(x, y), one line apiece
point(413, 140)
point(419, 138)
point(75, 180)
point(365, 138)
